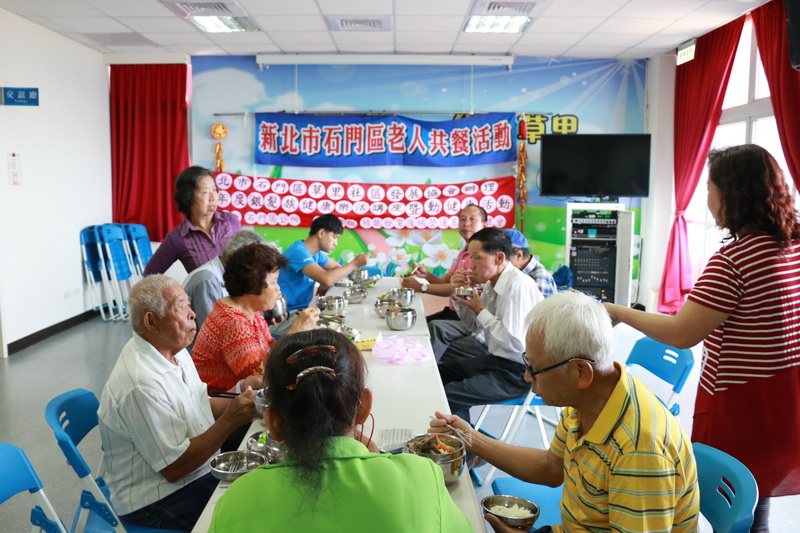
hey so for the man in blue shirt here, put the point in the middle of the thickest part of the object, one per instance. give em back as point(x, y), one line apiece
point(309, 264)
point(522, 259)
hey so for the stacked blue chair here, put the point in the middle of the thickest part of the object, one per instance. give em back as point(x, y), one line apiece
point(72, 415)
point(118, 263)
point(728, 491)
point(140, 247)
point(95, 265)
point(17, 476)
point(666, 362)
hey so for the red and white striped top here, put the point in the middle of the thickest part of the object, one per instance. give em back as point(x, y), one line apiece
point(760, 288)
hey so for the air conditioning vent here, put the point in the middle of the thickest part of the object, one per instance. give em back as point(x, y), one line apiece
point(509, 8)
point(359, 23)
point(225, 8)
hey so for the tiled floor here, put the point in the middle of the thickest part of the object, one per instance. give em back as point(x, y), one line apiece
point(83, 357)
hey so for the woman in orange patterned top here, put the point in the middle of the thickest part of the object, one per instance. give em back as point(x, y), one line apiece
point(234, 340)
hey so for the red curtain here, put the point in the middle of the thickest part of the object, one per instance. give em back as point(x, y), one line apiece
point(769, 22)
point(149, 143)
point(700, 88)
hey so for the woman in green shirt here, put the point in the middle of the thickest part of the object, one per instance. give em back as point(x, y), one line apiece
point(330, 481)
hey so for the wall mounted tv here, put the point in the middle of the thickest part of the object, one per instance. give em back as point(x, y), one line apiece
point(604, 165)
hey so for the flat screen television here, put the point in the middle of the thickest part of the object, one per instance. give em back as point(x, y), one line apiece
point(605, 165)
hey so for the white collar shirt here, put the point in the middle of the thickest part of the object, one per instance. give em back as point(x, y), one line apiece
point(507, 304)
point(149, 410)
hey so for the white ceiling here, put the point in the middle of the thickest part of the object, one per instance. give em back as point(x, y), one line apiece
point(571, 28)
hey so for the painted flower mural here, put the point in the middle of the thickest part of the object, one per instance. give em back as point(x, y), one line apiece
point(439, 255)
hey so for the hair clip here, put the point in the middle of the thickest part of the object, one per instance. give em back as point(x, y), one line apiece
point(309, 371)
point(311, 350)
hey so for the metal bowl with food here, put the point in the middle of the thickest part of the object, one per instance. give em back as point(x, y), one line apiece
point(345, 282)
point(403, 295)
point(464, 292)
point(512, 510)
point(261, 442)
point(331, 305)
point(261, 402)
point(355, 294)
point(278, 310)
point(446, 451)
point(372, 280)
point(228, 466)
point(381, 304)
point(400, 318)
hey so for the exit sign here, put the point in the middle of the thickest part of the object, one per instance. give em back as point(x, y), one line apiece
point(19, 96)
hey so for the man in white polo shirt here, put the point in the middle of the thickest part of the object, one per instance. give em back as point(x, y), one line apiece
point(158, 426)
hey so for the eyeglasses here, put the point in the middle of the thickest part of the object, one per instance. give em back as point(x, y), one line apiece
point(535, 373)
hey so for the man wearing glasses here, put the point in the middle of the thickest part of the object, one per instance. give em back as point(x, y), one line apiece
point(623, 459)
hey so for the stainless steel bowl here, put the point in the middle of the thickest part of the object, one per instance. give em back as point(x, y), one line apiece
point(401, 319)
point(261, 402)
point(345, 282)
point(262, 443)
point(348, 332)
point(464, 292)
point(359, 275)
point(355, 294)
point(372, 280)
point(228, 466)
point(381, 304)
point(403, 295)
point(278, 310)
point(452, 464)
point(331, 305)
point(506, 502)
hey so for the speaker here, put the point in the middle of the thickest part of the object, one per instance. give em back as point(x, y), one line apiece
point(793, 30)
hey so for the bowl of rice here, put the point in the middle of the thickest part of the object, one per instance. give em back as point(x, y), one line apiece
point(512, 510)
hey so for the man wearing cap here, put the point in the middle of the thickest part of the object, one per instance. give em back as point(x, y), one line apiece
point(522, 259)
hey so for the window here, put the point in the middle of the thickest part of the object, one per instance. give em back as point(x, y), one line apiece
point(747, 117)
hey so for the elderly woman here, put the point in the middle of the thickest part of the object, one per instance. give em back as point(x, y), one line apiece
point(330, 481)
point(201, 236)
point(746, 307)
point(234, 341)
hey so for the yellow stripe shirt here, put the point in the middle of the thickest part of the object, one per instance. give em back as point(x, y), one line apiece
point(634, 471)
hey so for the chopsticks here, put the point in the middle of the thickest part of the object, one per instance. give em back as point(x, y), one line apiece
point(222, 394)
point(466, 437)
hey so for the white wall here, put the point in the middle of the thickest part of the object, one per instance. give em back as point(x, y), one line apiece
point(657, 210)
point(64, 146)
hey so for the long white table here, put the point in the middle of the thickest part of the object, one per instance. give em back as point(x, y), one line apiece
point(404, 397)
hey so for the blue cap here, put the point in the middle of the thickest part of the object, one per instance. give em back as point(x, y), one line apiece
point(517, 238)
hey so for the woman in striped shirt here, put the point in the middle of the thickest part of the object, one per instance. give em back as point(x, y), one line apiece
point(746, 308)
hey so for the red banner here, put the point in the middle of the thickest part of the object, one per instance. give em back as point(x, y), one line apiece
point(295, 203)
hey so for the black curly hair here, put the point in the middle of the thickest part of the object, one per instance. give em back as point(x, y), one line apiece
point(247, 268)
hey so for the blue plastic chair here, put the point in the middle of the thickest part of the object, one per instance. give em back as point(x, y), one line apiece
point(666, 362)
point(529, 403)
point(18, 476)
point(72, 415)
point(547, 498)
point(140, 246)
point(728, 491)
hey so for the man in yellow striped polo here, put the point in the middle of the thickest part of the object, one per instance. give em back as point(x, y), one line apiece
point(624, 461)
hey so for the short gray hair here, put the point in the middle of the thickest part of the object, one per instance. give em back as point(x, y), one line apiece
point(147, 296)
point(238, 240)
point(573, 324)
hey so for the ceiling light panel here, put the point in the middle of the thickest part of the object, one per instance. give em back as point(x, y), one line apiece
point(493, 24)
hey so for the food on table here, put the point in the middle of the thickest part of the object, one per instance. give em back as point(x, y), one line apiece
point(432, 445)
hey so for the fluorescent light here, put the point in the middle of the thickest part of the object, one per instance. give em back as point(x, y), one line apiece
point(383, 59)
point(493, 24)
point(686, 52)
point(224, 24)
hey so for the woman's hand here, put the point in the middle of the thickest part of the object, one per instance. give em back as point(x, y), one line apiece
point(306, 320)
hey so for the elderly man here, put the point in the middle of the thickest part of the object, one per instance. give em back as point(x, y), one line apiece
point(471, 219)
point(157, 425)
point(624, 461)
point(205, 285)
point(522, 259)
point(486, 367)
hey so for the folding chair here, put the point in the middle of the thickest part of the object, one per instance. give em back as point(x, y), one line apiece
point(72, 415)
point(728, 491)
point(17, 476)
point(140, 246)
point(114, 241)
point(529, 403)
point(94, 265)
point(666, 362)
